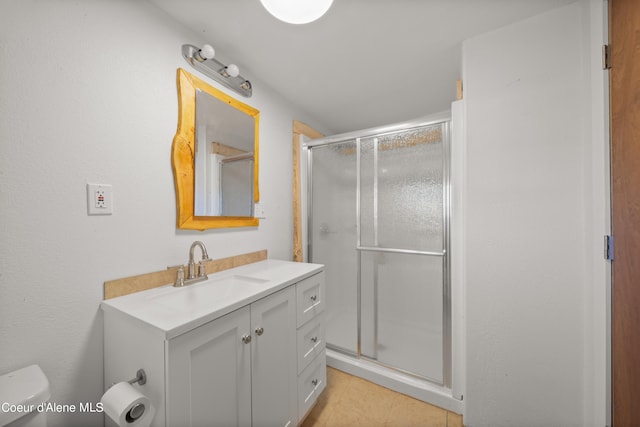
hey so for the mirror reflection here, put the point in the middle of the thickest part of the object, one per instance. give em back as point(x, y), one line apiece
point(214, 157)
point(224, 159)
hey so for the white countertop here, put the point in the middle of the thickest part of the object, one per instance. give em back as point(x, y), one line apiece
point(173, 311)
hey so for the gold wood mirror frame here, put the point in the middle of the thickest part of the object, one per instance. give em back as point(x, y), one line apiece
point(183, 155)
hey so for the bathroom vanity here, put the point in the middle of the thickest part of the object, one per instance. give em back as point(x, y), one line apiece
point(243, 348)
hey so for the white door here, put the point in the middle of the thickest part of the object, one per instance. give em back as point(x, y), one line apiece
point(209, 374)
point(274, 361)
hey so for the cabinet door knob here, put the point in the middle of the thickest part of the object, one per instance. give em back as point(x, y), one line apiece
point(314, 382)
point(246, 339)
point(314, 339)
point(259, 331)
point(314, 297)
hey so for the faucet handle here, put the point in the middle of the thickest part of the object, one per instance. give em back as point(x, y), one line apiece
point(179, 275)
point(202, 269)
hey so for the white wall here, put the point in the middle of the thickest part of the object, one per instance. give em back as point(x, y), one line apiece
point(88, 94)
point(597, 408)
point(533, 220)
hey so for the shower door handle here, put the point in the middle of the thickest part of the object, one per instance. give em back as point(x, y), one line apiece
point(399, 251)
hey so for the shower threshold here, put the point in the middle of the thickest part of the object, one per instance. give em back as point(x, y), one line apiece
point(395, 380)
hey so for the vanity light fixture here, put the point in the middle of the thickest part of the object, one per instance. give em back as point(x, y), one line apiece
point(297, 11)
point(229, 75)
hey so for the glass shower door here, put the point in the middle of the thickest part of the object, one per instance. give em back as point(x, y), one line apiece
point(332, 236)
point(402, 250)
point(378, 222)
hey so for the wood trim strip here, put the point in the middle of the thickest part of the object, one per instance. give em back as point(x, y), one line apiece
point(299, 128)
point(142, 282)
point(297, 208)
point(306, 130)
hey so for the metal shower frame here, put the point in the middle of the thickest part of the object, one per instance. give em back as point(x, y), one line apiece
point(443, 119)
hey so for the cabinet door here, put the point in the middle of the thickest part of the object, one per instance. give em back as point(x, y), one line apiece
point(209, 374)
point(273, 360)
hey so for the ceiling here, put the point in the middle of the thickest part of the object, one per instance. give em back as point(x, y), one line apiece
point(365, 63)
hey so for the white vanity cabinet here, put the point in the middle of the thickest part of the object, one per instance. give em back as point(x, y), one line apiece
point(236, 369)
point(252, 360)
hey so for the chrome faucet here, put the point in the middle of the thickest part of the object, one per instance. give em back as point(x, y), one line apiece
point(202, 271)
point(191, 275)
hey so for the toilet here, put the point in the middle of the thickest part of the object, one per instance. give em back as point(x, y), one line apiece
point(21, 392)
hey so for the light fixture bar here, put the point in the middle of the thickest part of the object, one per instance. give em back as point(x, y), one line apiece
point(216, 70)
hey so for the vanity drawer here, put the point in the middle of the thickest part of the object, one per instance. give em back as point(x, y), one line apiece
point(311, 383)
point(310, 298)
point(311, 341)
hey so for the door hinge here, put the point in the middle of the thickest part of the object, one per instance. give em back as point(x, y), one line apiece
point(606, 57)
point(608, 248)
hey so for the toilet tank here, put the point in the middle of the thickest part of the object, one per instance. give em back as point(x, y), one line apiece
point(21, 392)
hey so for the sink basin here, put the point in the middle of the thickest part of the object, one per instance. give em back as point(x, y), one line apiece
point(208, 293)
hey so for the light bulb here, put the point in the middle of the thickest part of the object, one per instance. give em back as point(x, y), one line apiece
point(207, 52)
point(233, 70)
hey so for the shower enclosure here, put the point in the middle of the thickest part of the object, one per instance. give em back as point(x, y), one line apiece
point(378, 218)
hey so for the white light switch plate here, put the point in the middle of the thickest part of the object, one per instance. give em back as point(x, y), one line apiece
point(99, 199)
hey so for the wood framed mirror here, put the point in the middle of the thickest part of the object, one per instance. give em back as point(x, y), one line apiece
point(214, 157)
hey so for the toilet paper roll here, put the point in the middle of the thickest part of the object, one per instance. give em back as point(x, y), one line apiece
point(121, 403)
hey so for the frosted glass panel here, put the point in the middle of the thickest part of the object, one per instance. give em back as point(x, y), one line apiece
point(401, 192)
point(333, 238)
point(402, 299)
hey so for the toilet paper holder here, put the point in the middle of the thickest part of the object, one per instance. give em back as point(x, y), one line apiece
point(138, 409)
point(141, 378)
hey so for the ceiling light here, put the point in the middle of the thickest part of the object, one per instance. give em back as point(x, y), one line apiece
point(297, 11)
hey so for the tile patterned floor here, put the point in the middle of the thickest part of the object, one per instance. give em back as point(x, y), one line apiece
point(349, 401)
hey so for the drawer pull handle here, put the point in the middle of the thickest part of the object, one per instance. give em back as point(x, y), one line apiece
point(314, 382)
point(314, 297)
point(246, 339)
point(259, 331)
point(314, 339)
